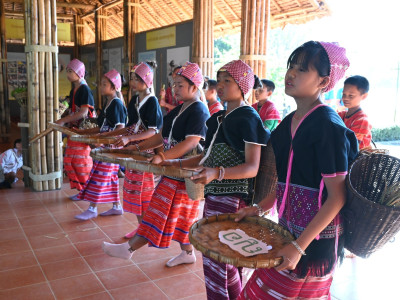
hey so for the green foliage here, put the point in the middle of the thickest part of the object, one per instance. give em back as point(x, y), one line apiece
point(226, 48)
point(386, 134)
point(18, 91)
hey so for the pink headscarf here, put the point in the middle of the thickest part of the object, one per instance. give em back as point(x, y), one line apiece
point(78, 67)
point(115, 78)
point(242, 74)
point(192, 72)
point(145, 72)
point(339, 63)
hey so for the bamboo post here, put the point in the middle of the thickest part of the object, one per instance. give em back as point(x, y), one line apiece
point(56, 115)
point(203, 35)
point(255, 27)
point(4, 106)
point(131, 26)
point(49, 94)
point(42, 90)
point(99, 54)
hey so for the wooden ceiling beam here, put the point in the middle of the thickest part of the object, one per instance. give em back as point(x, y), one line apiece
point(315, 4)
point(182, 9)
point(276, 5)
point(223, 17)
point(9, 13)
point(104, 6)
point(231, 10)
point(163, 22)
point(290, 13)
point(62, 4)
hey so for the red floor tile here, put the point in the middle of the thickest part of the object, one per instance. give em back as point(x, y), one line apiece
point(100, 296)
point(13, 246)
point(42, 229)
point(20, 277)
point(90, 247)
point(53, 254)
point(101, 262)
point(77, 225)
point(146, 253)
point(122, 277)
point(31, 211)
point(9, 223)
point(37, 291)
point(15, 233)
point(36, 220)
point(91, 233)
point(50, 240)
point(143, 291)
point(156, 269)
point(17, 260)
point(78, 286)
point(181, 286)
point(66, 268)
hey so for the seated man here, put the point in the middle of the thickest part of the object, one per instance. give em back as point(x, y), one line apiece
point(10, 162)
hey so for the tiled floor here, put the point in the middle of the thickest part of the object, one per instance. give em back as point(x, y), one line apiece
point(46, 254)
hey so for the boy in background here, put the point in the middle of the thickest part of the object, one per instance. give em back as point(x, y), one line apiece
point(354, 91)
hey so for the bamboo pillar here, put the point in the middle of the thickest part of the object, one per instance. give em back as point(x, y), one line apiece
point(131, 26)
point(42, 68)
point(4, 106)
point(203, 36)
point(255, 27)
point(99, 32)
point(78, 35)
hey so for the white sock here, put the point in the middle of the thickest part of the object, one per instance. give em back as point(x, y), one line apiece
point(93, 208)
point(117, 206)
point(185, 257)
point(118, 250)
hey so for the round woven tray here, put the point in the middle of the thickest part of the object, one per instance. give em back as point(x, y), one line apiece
point(203, 235)
point(94, 139)
point(61, 128)
point(138, 161)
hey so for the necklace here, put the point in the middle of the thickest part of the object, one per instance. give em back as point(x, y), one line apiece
point(347, 117)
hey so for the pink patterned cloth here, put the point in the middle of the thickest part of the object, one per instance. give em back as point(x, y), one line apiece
point(78, 67)
point(145, 72)
point(242, 74)
point(115, 78)
point(192, 72)
point(339, 63)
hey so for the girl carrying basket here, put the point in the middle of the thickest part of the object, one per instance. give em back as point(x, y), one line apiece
point(313, 149)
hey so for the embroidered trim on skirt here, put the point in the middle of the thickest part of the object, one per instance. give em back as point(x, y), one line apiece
point(169, 215)
point(270, 284)
point(77, 164)
point(102, 185)
point(137, 191)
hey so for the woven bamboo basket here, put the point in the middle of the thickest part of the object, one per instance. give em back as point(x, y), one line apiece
point(62, 129)
point(370, 225)
point(203, 235)
point(265, 181)
point(94, 139)
point(138, 161)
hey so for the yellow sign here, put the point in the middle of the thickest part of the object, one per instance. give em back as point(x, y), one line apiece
point(161, 38)
point(15, 30)
point(64, 32)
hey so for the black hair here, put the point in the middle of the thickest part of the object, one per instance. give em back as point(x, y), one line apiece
point(211, 84)
point(257, 83)
point(152, 64)
point(17, 141)
point(270, 85)
point(311, 53)
point(177, 67)
point(360, 82)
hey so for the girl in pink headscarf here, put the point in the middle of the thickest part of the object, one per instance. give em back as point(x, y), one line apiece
point(77, 160)
point(144, 121)
point(171, 213)
point(313, 149)
point(103, 184)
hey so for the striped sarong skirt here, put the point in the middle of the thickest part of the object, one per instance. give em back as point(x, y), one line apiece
point(137, 191)
point(102, 185)
point(271, 284)
point(77, 164)
point(223, 281)
point(169, 215)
